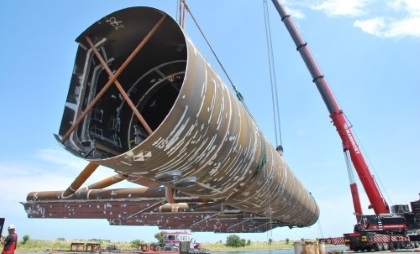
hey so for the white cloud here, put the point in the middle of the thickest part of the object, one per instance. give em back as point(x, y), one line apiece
point(66, 163)
point(411, 26)
point(295, 13)
point(384, 19)
point(371, 26)
point(61, 158)
point(386, 28)
point(405, 27)
point(412, 7)
point(351, 8)
point(49, 170)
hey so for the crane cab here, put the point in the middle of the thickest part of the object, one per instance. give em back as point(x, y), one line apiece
point(379, 223)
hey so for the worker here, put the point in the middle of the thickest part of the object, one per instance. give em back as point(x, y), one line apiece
point(10, 242)
point(279, 149)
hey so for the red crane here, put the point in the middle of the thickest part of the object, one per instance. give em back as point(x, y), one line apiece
point(350, 146)
point(382, 230)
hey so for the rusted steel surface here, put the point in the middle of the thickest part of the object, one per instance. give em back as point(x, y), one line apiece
point(203, 147)
point(149, 212)
point(107, 182)
point(80, 179)
point(100, 194)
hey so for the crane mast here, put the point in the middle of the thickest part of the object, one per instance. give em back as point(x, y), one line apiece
point(377, 202)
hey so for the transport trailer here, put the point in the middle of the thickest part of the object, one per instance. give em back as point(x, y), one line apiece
point(367, 241)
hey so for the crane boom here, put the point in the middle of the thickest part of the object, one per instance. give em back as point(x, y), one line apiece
point(377, 202)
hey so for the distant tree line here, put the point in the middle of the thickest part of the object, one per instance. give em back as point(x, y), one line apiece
point(235, 241)
point(231, 241)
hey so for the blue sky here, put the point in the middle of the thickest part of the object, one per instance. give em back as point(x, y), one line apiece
point(368, 50)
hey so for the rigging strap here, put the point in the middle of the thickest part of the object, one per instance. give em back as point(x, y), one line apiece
point(263, 159)
point(238, 94)
point(273, 79)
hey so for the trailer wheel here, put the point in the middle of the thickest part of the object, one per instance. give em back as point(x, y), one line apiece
point(378, 247)
point(399, 245)
point(393, 246)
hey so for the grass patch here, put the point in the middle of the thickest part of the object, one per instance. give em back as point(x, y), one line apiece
point(253, 246)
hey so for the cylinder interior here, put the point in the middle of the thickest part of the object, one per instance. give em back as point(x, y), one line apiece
point(152, 81)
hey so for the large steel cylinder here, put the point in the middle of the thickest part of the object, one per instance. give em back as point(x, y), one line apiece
point(203, 143)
